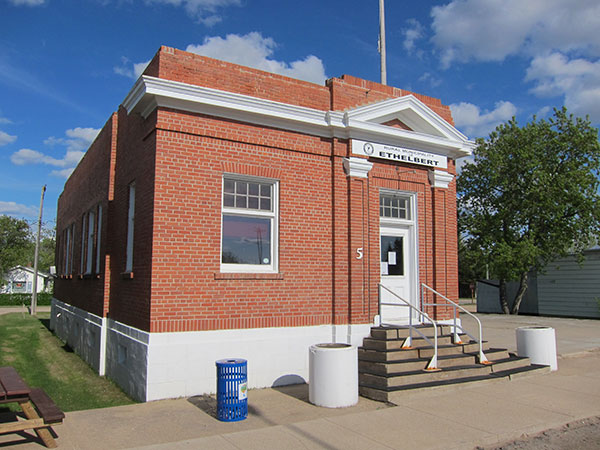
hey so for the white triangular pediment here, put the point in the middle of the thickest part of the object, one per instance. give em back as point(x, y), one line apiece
point(427, 130)
point(411, 112)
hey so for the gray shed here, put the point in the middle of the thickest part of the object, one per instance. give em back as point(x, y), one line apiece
point(565, 289)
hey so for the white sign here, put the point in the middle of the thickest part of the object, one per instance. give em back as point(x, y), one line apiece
point(384, 268)
point(406, 155)
point(243, 391)
point(392, 258)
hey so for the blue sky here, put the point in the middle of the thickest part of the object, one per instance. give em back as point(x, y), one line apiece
point(66, 65)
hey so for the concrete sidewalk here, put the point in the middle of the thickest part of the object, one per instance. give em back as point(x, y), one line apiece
point(282, 418)
point(22, 309)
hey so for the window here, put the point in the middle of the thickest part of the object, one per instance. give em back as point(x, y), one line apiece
point(83, 236)
point(394, 207)
point(249, 230)
point(392, 255)
point(67, 250)
point(130, 223)
point(90, 242)
point(98, 234)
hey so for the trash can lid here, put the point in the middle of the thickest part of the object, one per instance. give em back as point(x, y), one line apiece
point(230, 361)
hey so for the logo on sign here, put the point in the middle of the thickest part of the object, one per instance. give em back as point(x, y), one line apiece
point(243, 391)
point(368, 148)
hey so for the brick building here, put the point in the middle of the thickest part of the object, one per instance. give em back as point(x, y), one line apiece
point(227, 212)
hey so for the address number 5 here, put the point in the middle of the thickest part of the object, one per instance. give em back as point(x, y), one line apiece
point(359, 253)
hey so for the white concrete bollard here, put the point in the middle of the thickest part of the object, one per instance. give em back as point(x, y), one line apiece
point(333, 375)
point(538, 344)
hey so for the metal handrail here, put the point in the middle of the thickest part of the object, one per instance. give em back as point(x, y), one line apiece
point(408, 342)
point(482, 358)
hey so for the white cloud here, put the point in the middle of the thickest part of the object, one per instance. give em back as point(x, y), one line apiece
point(462, 162)
point(254, 50)
point(18, 210)
point(5, 121)
point(27, 2)
point(131, 70)
point(427, 77)
point(26, 156)
point(474, 123)
point(578, 80)
point(491, 30)
point(63, 173)
point(6, 138)
point(204, 11)
point(412, 33)
point(77, 141)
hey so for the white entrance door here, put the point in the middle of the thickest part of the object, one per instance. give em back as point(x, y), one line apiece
point(396, 273)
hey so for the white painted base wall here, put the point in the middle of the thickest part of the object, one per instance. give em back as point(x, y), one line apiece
point(153, 366)
point(80, 330)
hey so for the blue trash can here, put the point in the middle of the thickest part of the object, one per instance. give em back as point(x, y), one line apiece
point(232, 389)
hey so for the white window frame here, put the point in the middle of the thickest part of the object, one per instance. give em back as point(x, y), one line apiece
point(130, 229)
point(273, 266)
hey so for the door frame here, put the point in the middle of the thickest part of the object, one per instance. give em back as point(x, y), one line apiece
point(411, 225)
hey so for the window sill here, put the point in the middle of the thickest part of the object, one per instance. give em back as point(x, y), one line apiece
point(127, 275)
point(247, 276)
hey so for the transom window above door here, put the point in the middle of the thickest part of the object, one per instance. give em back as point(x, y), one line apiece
point(392, 206)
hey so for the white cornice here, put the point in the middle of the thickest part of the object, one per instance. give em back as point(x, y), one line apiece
point(440, 179)
point(357, 167)
point(440, 137)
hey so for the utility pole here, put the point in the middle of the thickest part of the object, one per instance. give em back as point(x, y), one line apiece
point(35, 258)
point(382, 42)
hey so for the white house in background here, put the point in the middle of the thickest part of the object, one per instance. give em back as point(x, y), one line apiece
point(19, 280)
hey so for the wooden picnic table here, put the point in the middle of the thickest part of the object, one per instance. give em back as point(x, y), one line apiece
point(39, 410)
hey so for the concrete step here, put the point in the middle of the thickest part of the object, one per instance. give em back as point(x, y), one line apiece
point(401, 332)
point(452, 349)
point(418, 377)
point(396, 344)
point(445, 361)
point(510, 363)
point(367, 354)
point(397, 394)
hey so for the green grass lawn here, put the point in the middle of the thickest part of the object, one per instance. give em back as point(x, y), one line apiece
point(44, 361)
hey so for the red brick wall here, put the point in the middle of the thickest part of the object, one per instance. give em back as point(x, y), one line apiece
point(188, 290)
point(88, 187)
point(340, 93)
point(185, 67)
point(135, 162)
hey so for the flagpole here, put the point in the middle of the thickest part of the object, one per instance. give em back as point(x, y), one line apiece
point(382, 42)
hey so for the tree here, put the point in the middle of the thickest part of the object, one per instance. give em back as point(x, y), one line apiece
point(472, 263)
point(15, 242)
point(47, 249)
point(531, 195)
